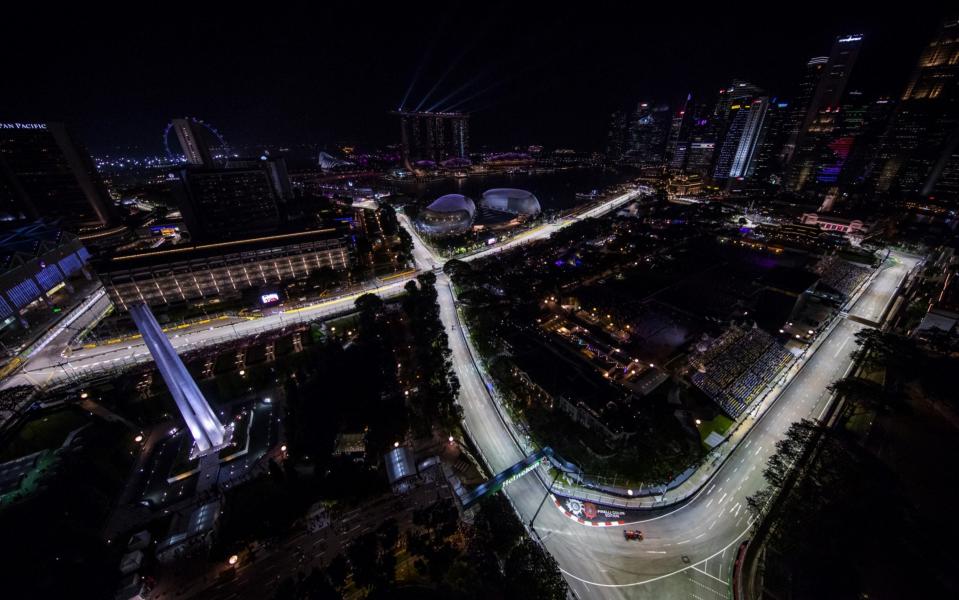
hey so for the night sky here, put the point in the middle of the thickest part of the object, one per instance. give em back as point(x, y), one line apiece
point(328, 73)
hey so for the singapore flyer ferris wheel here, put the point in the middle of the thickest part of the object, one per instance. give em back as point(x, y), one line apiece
point(215, 140)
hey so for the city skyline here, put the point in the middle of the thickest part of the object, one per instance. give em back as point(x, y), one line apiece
point(453, 301)
point(526, 69)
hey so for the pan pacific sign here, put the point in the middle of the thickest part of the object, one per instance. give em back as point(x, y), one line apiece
point(23, 125)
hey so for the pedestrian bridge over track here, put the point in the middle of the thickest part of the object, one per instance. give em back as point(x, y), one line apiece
point(503, 478)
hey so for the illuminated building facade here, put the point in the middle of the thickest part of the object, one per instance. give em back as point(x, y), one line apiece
point(44, 173)
point(433, 136)
point(447, 215)
point(648, 129)
point(225, 204)
point(737, 158)
point(35, 260)
point(800, 105)
point(819, 119)
point(224, 269)
point(921, 149)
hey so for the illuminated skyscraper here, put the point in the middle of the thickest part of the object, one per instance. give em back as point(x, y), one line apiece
point(835, 76)
point(648, 127)
point(225, 204)
point(831, 78)
point(800, 105)
point(45, 173)
point(693, 140)
point(434, 137)
point(737, 157)
point(675, 149)
point(617, 136)
point(769, 163)
point(922, 144)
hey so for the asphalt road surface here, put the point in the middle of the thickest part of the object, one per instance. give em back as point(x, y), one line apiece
point(688, 551)
point(52, 366)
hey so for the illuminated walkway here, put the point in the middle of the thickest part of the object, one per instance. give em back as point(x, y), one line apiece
point(506, 476)
point(208, 433)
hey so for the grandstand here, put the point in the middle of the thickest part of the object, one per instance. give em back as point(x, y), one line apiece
point(841, 276)
point(737, 366)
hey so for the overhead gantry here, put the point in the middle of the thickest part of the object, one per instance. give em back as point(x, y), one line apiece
point(209, 434)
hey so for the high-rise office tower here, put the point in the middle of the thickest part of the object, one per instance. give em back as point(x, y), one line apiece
point(45, 173)
point(814, 149)
point(922, 144)
point(616, 137)
point(228, 204)
point(800, 106)
point(693, 141)
point(738, 94)
point(461, 137)
point(769, 165)
point(193, 142)
point(675, 149)
point(435, 137)
point(737, 157)
point(275, 167)
point(865, 122)
point(826, 97)
point(840, 145)
point(834, 78)
point(646, 138)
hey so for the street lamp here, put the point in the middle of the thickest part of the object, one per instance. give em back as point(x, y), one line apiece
point(138, 438)
point(698, 422)
point(233, 559)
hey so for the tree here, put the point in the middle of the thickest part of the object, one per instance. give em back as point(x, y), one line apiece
point(406, 245)
point(286, 590)
point(788, 451)
point(317, 586)
point(337, 571)
point(388, 533)
point(276, 472)
point(884, 349)
point(532, 573)
point(441, 518)
point(456, 268)
point(435, 402)
point(373, 562)
point(758, 502)
point(863, 392)
point(497, 524)
point(363, 555)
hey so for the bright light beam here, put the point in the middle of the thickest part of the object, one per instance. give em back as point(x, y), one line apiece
point(417, 73)
point(457, 91)
point(474, 95)
point(449, 69)
point(439, 81)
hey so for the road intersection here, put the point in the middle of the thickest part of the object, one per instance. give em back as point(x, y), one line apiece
point(688, 550)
